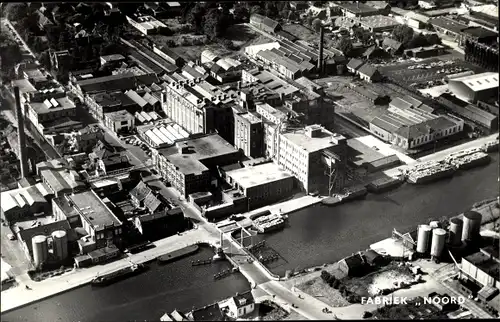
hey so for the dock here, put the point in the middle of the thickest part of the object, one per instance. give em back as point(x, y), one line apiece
point(177, 254)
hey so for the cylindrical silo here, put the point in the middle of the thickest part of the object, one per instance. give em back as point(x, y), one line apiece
point(423, 238)
point(456, 226)
point(438, 241)
point(472, 226)
point(435, 224)
point(40, 250)
point(60, 244)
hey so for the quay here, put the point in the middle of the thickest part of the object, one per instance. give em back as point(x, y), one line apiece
point(19, 296)
point(177, 254)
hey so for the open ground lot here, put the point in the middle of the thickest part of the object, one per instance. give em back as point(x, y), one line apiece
point(241, 36)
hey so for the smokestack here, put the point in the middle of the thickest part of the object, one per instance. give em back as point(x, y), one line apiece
point(320, 55)
point(21, 135)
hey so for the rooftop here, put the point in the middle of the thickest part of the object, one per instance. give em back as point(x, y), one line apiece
point(52, 105)
point(258, 175)
point(302, 140)
point(19, 198)
point(251, 118)
point(480, 32)
point(119, 116)
point(485, 263)
point(479, 82)
point(357, 7)
point(24, 86)
point(108, 83)
point(93, 210)
point(61, 179)
point(113, 57)
point(448, 24)
point(378, 21)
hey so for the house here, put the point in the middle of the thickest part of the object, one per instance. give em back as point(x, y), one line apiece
point(207, 313)
point(383, 7)
point(374, 52)
point(139, 194)
point(352, 265)
point(392, 46)
point(352, 10)
point(369, 73)
point(373, 258)
point(241, 305)
point(112, 59)
point(416, 20)
point(160, 223)
point(174, 316)
point(43, 21)
point(354, 64)
point(155, 9)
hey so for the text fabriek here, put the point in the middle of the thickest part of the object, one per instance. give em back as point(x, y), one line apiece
point(404, 300)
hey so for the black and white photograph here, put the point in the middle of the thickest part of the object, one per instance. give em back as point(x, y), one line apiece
point(249, 160)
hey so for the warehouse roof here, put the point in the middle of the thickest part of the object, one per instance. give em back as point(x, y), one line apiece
point(417, 17)
point(479, 82)
point(93, 210)
point(108, 83)
point(479, 32)
point(310, 144)
point(119, 116)
point(258, 175)
point(24, 197)
point(54, 104)
point(485, 263)
point(448, 24)
point(357, 7)
point(378, 21)
point(265, 20)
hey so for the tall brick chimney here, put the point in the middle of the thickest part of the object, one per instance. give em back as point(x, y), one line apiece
point(21, 135)
point(320, 55)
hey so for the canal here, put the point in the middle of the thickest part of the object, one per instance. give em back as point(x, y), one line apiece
point(145, 297)
point(320, 234)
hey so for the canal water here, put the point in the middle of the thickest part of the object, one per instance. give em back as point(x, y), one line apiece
point(163, 288)
point(320, 234)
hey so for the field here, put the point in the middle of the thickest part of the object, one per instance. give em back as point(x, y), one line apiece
point(269, 311)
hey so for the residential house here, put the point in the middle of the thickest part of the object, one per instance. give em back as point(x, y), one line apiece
point(369, 73)
point(241, 305)
point(353, 265)
point(264, 23)
point(392, 46)
point(207, 313)
point(354, 64)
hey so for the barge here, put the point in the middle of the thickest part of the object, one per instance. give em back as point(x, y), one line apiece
point(268, 223)
point(384, 184)
point(353, 194)
point(177, 254)
point(432, 173)
point(470, 161)
point(109, 278)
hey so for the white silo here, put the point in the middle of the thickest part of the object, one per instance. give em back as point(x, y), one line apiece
point(40, 250)
point(472, 226)
point(438, 241)
point(456, 226)
point(423, 238)
point(60, 244)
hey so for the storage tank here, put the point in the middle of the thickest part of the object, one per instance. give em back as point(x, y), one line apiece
point(456, 226)
point(40, 250)
point(60, 244)
point(423, 238)
point(472, 226)
point(438, 241)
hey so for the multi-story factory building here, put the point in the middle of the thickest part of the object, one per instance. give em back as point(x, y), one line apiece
point(301, 152)
point(248, 133)
point(197, 106)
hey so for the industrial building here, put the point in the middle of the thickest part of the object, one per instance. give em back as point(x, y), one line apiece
point(408, 126)
point(475, 87)
point(35, 240)
point(448, 27)
point(118, 82)
point(378, 23)
point(353, 10)
point(416, 20)
point(102, 226)
point(197, 106)
point(59, 178)
point(478, 34)
point(482, 55)
point(425, 52)
point(300, 152)
point(120, 121)
point(262, 184)
point(161, 223)
point(469, 111)
point(23, 203)
point(147, 25)
point(169, 55)
point(264, 23)
point(248, 133)
point(162, 135)
point(187, 164)
point(48, 110)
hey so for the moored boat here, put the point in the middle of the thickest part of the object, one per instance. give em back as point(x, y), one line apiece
point(109, 278)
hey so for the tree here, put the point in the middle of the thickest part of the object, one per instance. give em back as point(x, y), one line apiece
point(316, 24)
point(293, 15)
point(344, 45)
point(309, 20)
point(241, 13)
point(10, 53)
point(44, 60)
point(336, 284)
point(212, 23)
point(325, 276)
point(195, 16)
point(403, 34)
point(271, 10)
point(418, 40)
point(15, 11)
point(433, 39)
point(257, 10)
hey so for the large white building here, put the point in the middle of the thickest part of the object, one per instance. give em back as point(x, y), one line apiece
point(49, 111)
point(475, 88)
point(300, 152)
